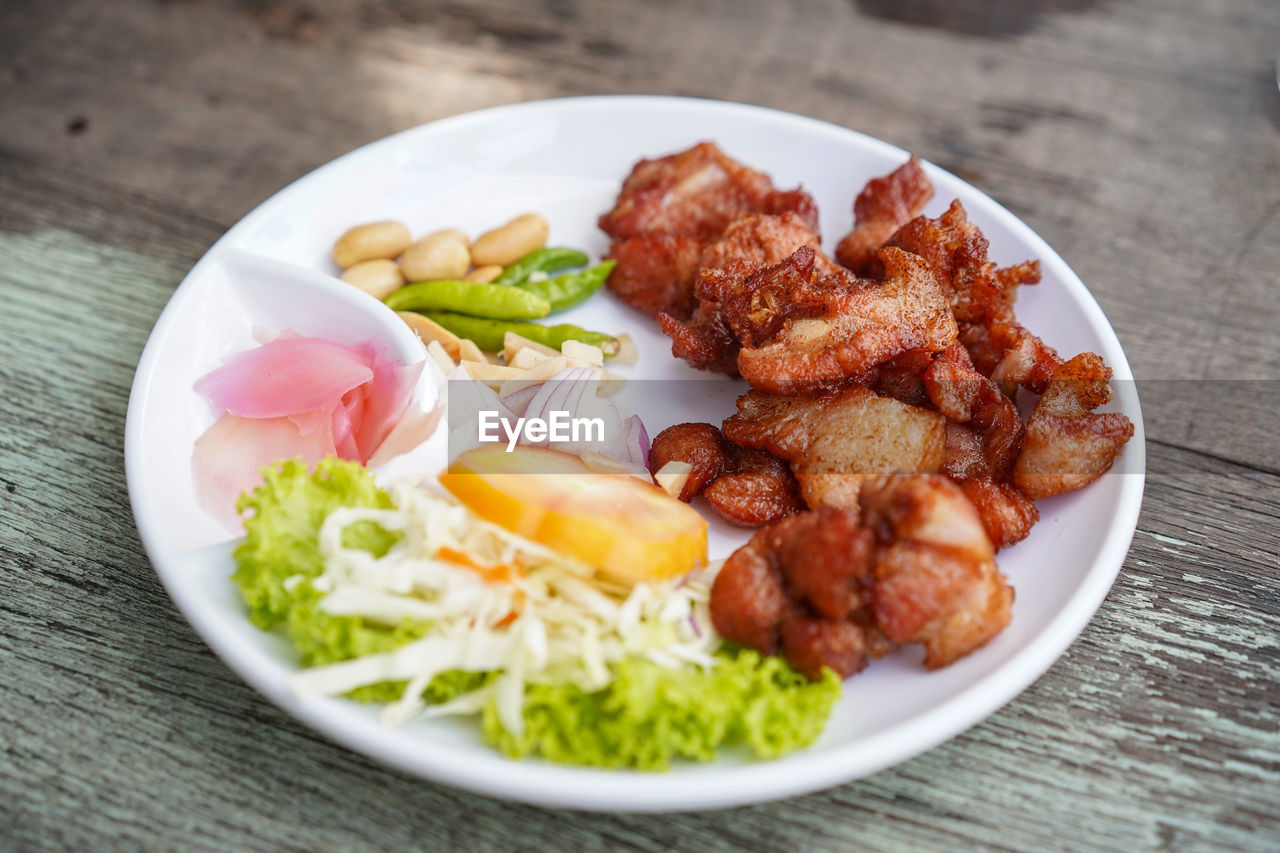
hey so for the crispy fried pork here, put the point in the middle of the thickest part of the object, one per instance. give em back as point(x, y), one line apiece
point(761, 240)
point(758, 490)
point(749, 243)
point(983, 433)
point(799, 331)
point(748, 598)
point(700, 445)
point(902, 377)
point(703, 340)
point(803, 585)
point(1007, 514)
point(866, 381)
point(655, 272)
point(836, 587)
point(747, 487)
point(810, 643)
point(982, 297)
point(1068, 445)
point(936, 580)
point(884, 205)
point(965, 396)
point(673, 207)
point(697, 192)
point(835, 438)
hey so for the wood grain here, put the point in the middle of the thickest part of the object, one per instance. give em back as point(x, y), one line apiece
point(1141, 139)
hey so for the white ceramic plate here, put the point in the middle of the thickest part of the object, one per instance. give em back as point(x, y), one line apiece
point(565, 159)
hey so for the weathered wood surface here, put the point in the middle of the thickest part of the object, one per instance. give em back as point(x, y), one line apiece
point(1142, 139)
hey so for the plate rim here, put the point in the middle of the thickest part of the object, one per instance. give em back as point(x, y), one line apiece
point(614, 790)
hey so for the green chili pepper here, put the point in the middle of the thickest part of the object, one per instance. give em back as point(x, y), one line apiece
point(480, 300)
point(570, 289)
point(541, 260)
point(491, 334)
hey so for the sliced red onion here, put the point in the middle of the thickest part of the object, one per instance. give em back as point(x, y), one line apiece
point(563, 392)
point(574, 392)
point(467, 399)
point(636, 441)
point(518, 401)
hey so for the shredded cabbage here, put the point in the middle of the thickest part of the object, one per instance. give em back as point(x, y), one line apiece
point(372, 590)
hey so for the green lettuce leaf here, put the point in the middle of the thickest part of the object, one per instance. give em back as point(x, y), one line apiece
point(282, 541)
point(650, 715)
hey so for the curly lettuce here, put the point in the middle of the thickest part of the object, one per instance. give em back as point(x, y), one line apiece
point(650, 715)
point(282, 543)
point(647, 717)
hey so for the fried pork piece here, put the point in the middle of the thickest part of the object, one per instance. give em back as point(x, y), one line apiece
point(801, 585)
point(762, 240)
point(1004, 349)
point(1067, 446)
point(687, 199)
point(902, 377)
point(799, 332)
point(1007, 515)
point(754, 301)
point(655, 272)
point(757, 491)
point(984, 433)
point(936, 580)
point(697, 192)
point(884, 205)
point(700, 445)
point(837, 587)
point(702, 338)
point(747, 487)
point(982, 298)
point(965, 396)
point(966, 456)
point(833, 439)
point(826, 559)
point(748, 600)
point(810, 643)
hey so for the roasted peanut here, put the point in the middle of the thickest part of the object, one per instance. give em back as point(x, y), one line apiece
point(456, 233)
point(386, 239)
point(511, 242)
point(484, 275)
point(379, 277)
point(435, 256)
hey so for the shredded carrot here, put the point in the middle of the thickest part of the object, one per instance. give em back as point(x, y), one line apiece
point(501, 573)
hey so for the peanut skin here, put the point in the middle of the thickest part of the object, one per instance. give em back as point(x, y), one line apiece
point(379, 277)
point(511, 242)
point(386, 239)
point(436, 256)
point(484, 275)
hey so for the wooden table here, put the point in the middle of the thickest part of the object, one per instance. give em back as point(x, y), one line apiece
point(1139, 138)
